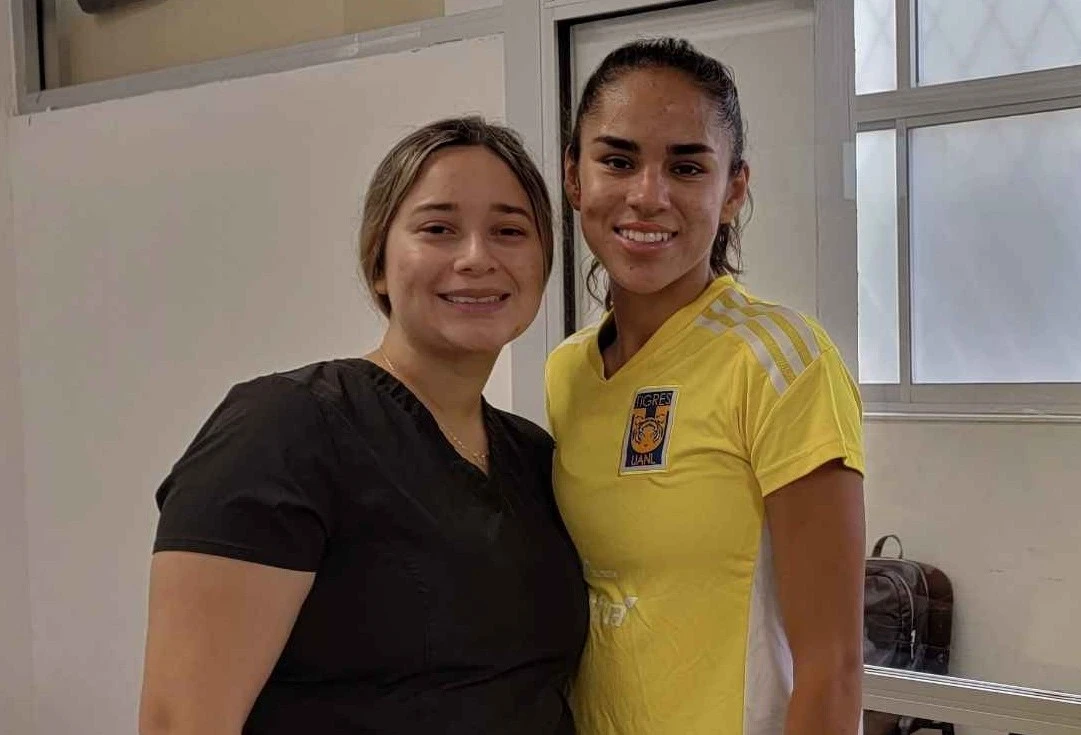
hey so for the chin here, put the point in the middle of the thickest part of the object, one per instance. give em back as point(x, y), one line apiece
point(479, 341)
point(643, 283)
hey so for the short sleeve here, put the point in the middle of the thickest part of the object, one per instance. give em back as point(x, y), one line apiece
point(815, 419)
point(256, 484)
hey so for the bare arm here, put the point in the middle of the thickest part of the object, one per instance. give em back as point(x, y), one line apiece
point(817, 529)
point(216, 628)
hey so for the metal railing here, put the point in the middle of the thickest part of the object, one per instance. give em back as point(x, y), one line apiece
point(997, 707)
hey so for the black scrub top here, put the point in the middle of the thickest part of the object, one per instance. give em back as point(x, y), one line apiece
point(444, 600)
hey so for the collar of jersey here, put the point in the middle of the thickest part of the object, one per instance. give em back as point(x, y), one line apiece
point(669, 331)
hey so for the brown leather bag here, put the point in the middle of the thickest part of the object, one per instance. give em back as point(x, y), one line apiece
point(908, 624)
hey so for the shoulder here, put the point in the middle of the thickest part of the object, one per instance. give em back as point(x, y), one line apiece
point(347, 390)
point(271, 396)
point(263, 413)
point(332, 381)
point(295, 404)
point(260, 482)
point(773, 342)
point(581, 336)
point(572, 354)
point(574, 346)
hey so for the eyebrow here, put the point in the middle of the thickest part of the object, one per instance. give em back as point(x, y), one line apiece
point(434, 207)
point(511, 209)
point(500, 207)
point(676, 149)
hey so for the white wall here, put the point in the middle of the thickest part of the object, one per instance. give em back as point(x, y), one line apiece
point(168, 246)
point(995, 506)
point(15, 658)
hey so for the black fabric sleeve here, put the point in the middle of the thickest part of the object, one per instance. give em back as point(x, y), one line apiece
point(257, 482)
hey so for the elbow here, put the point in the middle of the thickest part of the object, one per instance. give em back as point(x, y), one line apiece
point(833, 683)
point(842, 668)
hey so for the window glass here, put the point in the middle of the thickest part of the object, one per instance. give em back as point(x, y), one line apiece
point(876, 46)
point(973, 39)
point(995, 256)
point(876, 218)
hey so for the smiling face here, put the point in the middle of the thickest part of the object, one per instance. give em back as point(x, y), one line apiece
point(652, 183)
point(464, 267)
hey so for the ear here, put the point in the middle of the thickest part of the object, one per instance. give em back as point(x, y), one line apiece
point(736, 194)
point(379, 284)
point(571, 183)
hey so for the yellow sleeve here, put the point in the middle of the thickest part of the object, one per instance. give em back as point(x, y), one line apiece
point(816, 419)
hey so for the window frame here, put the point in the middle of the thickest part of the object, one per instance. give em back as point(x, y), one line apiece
point(32, 95)
point(910, 107)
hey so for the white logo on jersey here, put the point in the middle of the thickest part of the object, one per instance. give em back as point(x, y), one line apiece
point(608, 611)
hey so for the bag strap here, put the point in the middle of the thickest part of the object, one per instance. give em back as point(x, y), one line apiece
point(880, 545)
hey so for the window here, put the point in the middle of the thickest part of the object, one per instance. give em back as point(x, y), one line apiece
point(968, 174)
point(973, 39)
point(134, 36)
point(876, 46)
point(876, 231)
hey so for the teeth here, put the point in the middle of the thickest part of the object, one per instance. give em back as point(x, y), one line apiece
point(648, 237)
point(473, 299)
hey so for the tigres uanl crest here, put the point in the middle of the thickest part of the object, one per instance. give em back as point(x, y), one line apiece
point(649, 426)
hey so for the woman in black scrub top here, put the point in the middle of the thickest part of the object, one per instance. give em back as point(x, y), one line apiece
point(366, 545)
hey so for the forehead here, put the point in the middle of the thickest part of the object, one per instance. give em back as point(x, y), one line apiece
point(655, 106)
point(464, 174)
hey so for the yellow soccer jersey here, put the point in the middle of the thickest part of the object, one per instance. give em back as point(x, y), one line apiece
point(660, 474)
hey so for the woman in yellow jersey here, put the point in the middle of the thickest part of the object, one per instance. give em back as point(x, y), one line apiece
point(709, 453)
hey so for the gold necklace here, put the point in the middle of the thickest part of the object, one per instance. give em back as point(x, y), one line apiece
point(481, 457)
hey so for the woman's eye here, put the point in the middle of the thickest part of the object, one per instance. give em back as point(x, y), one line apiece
point(435, 229)
point(687, 169)
point(617, 162)
point(511, 232)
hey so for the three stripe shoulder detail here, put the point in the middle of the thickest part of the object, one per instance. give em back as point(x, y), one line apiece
point(780, 338)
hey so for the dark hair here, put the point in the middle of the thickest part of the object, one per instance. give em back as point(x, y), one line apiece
point(716, 81)
point(398, 172)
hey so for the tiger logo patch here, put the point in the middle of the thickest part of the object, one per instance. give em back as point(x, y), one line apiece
point(645, 446)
